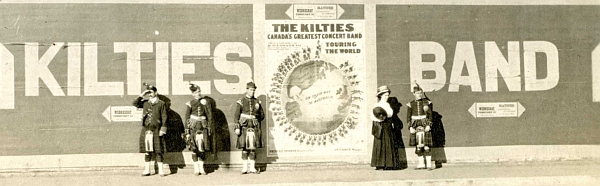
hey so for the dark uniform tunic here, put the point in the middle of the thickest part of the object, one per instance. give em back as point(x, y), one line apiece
point(154, 119)
point(418, 117)
point(200, 120)
point(249, 115)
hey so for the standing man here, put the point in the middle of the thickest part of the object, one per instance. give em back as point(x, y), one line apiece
point(199, 129)
point(248, 115)
point(154, 119)
point(419, 117)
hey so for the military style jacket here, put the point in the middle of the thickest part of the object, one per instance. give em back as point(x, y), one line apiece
point(416, 110)
point(248, 116)
point(154, 115)
point(248, 106)
point(200, 108)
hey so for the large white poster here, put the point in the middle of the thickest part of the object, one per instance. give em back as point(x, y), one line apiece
point(316, 86)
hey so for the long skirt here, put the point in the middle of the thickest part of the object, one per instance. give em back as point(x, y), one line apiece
point(385, 153)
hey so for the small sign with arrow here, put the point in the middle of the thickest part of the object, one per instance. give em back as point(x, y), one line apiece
point(311, 11)
point(122, 114)
point(496, 109)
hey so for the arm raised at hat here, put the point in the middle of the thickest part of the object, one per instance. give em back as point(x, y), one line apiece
point(139, 102)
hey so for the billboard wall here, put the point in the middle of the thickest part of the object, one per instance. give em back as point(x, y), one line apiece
point(70, 71)
point(498, 75)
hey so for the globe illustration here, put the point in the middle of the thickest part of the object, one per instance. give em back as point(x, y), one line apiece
point(315, 97)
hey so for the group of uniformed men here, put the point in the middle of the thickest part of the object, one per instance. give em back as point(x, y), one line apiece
point(199, 128)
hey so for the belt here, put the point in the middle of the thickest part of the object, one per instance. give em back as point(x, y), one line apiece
point(198, 117)
point(418, 117)
point(248, 116)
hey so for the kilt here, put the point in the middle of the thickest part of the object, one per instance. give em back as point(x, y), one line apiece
point(157, 141)
point(198, 127)
point(242, 140)
point(428, 140)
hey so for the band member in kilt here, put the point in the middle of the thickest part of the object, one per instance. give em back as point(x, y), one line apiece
point(154, 119)
point(385, 154)
point(419, 117)
point(248, 115)
point(199, 129)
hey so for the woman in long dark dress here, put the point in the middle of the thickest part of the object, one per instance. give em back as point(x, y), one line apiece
point(385, 153)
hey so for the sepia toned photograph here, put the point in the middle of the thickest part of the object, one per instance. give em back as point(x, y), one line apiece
point(293, 92)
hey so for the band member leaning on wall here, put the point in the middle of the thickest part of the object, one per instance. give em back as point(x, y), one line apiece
point(199, 129)
point(419, 117)
point(248, 115)
point(385, 152)
point(154, 119)
point(438, 135)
